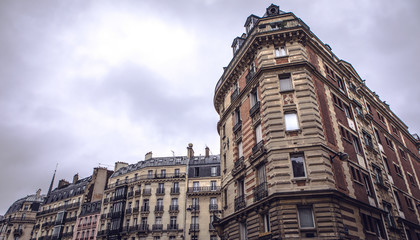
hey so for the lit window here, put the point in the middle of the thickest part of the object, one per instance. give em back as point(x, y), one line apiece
point(285, 83)
point(306, 217)
point(298, 165)
point(291, 121)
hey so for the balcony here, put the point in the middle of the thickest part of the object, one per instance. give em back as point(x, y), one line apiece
point(211, 227)
point(158, 208)
point(130, 194)
point(257, 151)
point(128, 211)
point(103, 216)
point(237, 126)
point(172, 227)
point(204, 190)
point(234, 95)
point(147, 192)
point(175, 190)
point(254, 109)
point(240, 202)
point(173, 208)
point(260, 192)
point(194, 228)
point(18, 232)
point(157, 227)
point(106, 200)
point(137, 193)
point(238, 166)
point(143, 228)
point(213, 207)
point(136, 210)
point(145, 209)
point(195, 208)
point(160, 191)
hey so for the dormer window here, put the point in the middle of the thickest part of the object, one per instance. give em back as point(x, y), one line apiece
point(273, 10)
point(250, 23)
point(237, 43)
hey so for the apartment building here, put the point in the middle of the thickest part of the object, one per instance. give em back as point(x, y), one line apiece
point(64, 210)
point(156, 199)
point(19, 219)
point(307, 149)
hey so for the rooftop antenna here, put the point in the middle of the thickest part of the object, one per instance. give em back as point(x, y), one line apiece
point(52, 180)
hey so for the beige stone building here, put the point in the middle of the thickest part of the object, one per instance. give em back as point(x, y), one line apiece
point(156, 199)
point(19, 219)
point(307, 149)
point(62, 214)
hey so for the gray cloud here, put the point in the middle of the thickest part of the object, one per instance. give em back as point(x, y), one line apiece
point(72, 93)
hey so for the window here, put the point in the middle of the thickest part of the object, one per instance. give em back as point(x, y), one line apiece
point(176, 173)
point(258, 134)
point(306, 217)
point(237, 116)
point(367, 185)
point(388, 216)
point(382, 119)
point(340, 83)
point(243, 231)
point(347, 111)
point(356, 144)
point(397, 200)
point(163, 173)
point(377, 135)
point(196, 172)
point(266, 222)
point(398, 170)
point(409, 203)
point(280, 51)
point(403, 154)
point(298, 165)
point(240, 150)
point(172, 221)
point(196, 186)
point(241, 187)
point(378, 175)
point(213, 237)
point(262, 178)
point(411, 178)
point(291, 121)
point(252, 66)
point(213, 186)
point(253, 98)
point(368, 139)
point(213, 171)
point(150, 174)
point(285, 82)
point(389, 143)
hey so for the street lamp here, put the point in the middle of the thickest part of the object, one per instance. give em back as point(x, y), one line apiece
point(341, 156)
point(193, 212)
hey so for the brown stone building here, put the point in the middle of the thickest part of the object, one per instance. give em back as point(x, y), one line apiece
point(20, 217)
point(307, 150)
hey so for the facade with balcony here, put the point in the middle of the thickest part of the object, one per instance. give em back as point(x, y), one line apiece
point(19, 219)
point(307, 149)
point(149, 199)
point(64, 211)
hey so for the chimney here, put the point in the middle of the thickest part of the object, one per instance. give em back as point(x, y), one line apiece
point(207, 152)
point(190, 151)
point(119, 165)
point(75, 178)
point(148, 156)
point(38, 193)
point(62, 183)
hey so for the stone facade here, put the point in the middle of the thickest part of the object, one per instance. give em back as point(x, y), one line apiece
point(19, 220)
point(307, 150)
point(162, 198)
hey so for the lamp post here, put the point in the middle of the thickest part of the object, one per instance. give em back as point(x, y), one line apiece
point(342, 156)
point(193, 212)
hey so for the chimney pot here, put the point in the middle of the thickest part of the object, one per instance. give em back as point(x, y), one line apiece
point(148, 156)
point(207, 152)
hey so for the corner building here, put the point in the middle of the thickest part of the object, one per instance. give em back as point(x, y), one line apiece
point(307, 149)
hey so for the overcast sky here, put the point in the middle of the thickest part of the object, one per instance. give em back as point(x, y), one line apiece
point(89, 82)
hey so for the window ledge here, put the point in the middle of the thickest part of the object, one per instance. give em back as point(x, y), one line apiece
point(287, 91)
point(300, 179)
point(280, 57)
